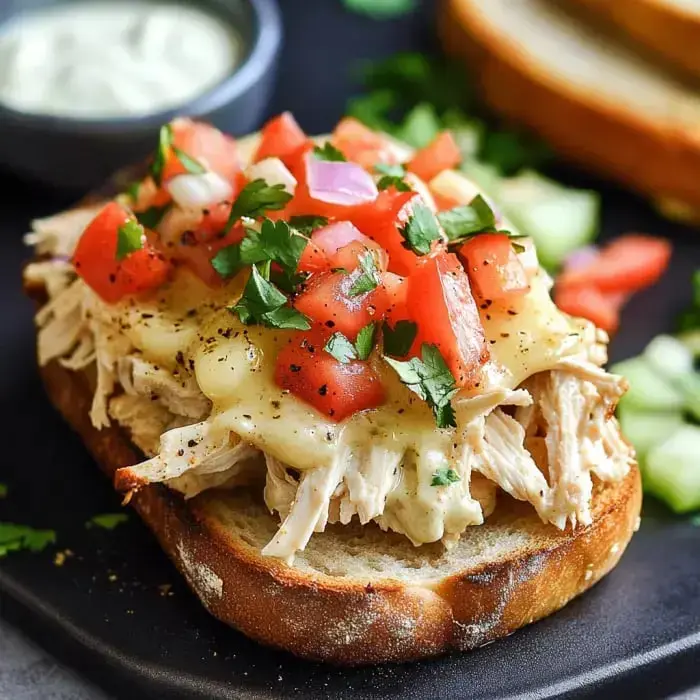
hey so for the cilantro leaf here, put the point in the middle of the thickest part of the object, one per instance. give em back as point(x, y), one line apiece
point(107, 521)
point(153, 215)
point(130, 237)
point(308, 224)
point(432, 380)
point(188, 162)
point(3, 490)
point(464, 221)
point(381, 9)
point(340, 348)
point(16, 537)
point(227, 262)
point(398, 341)
point(285, 318)
point(444, 477)
point(255, 199)
point(165, 142)
point(330, 153)
point(421, 230)
point(365, 340)
point(392, 176)
point(390, 170)
point(368, 279)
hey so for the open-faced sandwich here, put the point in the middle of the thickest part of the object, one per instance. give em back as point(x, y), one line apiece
point(330, 377)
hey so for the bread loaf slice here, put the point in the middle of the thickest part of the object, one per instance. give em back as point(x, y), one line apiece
point(601, 105)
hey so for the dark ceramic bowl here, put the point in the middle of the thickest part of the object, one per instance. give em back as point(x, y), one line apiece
point(80, 154)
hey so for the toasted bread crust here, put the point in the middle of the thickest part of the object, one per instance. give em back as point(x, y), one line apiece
point(346, 621)
point(613, 141)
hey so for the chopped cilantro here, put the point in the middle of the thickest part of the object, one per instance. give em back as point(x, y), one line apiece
point(380, 9)
point(153, 215)
point(227, 262)
point(340, 348)
point(16, 537)
point(444, 477)
point(432, 380)
point(365, 340)
point(190, 164)
point(165, 142)
point(3, 490)
point(107, 521)
point(464, 221)
point(421, 230)
point(308, 224)
point(392, 176)
point(368, 279)
point(255, 199)
point(398, 341)
point(130, 237)
point(330, 153)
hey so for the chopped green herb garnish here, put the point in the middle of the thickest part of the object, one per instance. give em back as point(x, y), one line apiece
point(368, 279)
point(421, 230)
point(444, 477)
point(432, 380)
point(398, 341)
point(190, 164)
point(286, 318)
point(392, 176)
point(153, 215)
point(16, 537)
point(308, 224)
point(365, 341)
point(165, 142)
point(330, 153)
point(464, 221)
point(3, 490)
point(381, 9)
point(255, 199)
point(130, 237)
point(107, 521)
point(340, 348)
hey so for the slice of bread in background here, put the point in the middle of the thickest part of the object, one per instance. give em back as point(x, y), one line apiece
point(358, 595)
point(669, 28)
point(599, 104)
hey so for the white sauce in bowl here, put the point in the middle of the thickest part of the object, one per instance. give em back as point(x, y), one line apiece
point(113, 59)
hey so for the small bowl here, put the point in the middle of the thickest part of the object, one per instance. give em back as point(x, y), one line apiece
point(80, 154)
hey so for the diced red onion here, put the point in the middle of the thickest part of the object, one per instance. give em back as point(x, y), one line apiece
point(199, 191)
point(582, 257)
point(330, 239)
point(340, 183)
point(274, 172)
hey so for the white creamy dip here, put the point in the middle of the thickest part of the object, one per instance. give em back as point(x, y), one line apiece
point(112, 59)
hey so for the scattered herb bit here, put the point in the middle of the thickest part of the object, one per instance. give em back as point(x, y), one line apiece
point(16, 537)
point(465, 221)
point(369, 279)
point(255, 199)
point(421, 230)
point(153, 215)
point(398, 341)
point(130, 237)
point(107, 521)
point(286, 318)
point(340, 348)
point(165, 142)
point(132, 191)
point(330, 153)
point(380, 9)
point(365, 340)
point(392, 176)
point(444, 477)
point(432, 380)
point(190, 164)
point(308, 224)
point(227, 262)
point(3, 490)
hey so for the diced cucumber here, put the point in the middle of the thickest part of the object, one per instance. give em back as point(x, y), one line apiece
point(647, 430)
point(559, 219)
point(673, 470)
point(669, 356)
point(649, 390)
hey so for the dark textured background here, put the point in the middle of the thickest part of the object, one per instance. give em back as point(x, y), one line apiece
point(636, 633)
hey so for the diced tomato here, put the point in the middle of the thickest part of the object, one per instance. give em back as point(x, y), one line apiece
point(337, 235)
point(207, 145)
point(313, 259)
point(360, 144)
point(392, 302)
point(327, 300)
point(95, 259)
point(441, 303)
point(494, 269)
point(334, 389)
point(282, 137)
point(628, 264)
point(444, 203)
point(442, 154)
point(348, 257)
point(601, 308)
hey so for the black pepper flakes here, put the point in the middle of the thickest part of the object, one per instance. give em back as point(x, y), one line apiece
point(191, 443)
point(323, 389)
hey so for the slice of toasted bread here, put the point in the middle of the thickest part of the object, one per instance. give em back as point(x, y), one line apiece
point(669, 28)
point(599, 104)
point(357, 595)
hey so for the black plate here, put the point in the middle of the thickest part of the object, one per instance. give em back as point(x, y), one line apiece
point(638, 632)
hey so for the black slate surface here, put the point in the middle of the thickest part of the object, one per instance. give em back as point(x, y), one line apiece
point(636, 633)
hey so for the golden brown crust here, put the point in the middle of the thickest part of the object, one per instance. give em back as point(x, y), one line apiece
point(347, 621)
point(611, 140)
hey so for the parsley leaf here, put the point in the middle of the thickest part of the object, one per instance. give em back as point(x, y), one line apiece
point(432, 380)
point(130, 237)
point(445, 477)
point(188, 162)
point(308, 224)
point(341, 348)
point(255, 199)
point(107, 521)
point(263, 303)
point(464, 221)
point(3, 490)
point(398, 341)
point(365, 340)
point(421, 230)
point(368, 279)
point(165, 142)
point(380, 9)
point(153, 215)
point(15, 537)
point(392, 176)
point(330, 153)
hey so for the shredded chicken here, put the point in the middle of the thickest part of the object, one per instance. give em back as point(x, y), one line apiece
point(58, 235)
